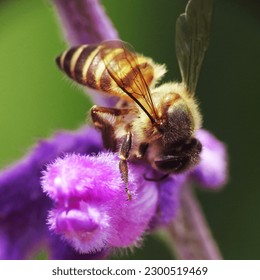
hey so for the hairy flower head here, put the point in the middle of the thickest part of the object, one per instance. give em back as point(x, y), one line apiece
point(91, 206)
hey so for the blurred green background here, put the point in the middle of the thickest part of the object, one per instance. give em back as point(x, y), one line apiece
point(36, 99)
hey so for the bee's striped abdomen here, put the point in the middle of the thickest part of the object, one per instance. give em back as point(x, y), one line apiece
point(75, 60)
point(91, 65)
point(84, 65)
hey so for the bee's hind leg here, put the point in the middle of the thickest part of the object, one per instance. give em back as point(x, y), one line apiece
point(123, 155)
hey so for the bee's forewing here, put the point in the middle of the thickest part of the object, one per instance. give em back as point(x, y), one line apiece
point(192, 39)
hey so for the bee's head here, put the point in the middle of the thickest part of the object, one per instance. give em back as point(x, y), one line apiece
point(180, 157)
point(178, 149)
point(176, 124)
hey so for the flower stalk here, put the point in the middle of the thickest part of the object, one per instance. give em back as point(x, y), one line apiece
point(77, 18)
point(189, 232)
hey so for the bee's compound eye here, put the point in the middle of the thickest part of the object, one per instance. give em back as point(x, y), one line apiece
point(172, 164)
point(193, 144)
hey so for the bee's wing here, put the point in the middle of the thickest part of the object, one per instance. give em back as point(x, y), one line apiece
point(131, 73)
point(192, 39)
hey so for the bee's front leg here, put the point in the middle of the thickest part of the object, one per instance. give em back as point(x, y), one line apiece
point(104, 119)
point(124, 155)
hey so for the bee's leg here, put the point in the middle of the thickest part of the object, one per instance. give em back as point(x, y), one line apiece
point(123, 155)
point(104, 118)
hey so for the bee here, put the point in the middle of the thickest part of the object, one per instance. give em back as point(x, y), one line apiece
point(150, 122)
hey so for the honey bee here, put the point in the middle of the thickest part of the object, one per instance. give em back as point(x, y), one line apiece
point(149, 122)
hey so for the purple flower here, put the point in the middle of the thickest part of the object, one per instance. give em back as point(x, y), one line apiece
point(92, 211)
point(85, 213)
point(212, 170)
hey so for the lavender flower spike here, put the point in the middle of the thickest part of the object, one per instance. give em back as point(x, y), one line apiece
point(86, 203)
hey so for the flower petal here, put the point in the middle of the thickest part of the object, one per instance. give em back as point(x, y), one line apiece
point(22, 231)
point(212, 170)
point(92, 211)
point(169, 199)
point(61, 250)
point(23, 206)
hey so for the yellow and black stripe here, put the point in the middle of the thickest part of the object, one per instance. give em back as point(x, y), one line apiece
point(72, 61)
point(87, 65)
